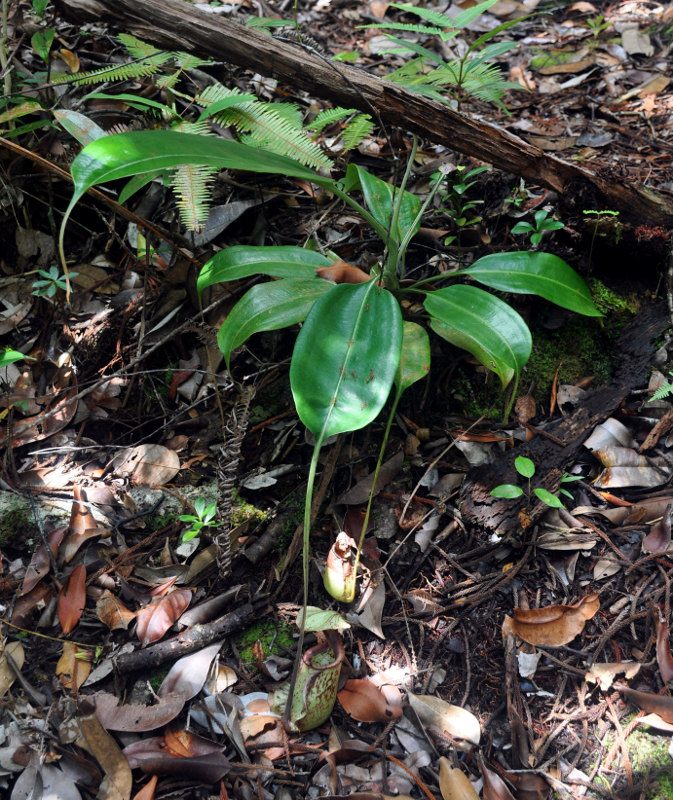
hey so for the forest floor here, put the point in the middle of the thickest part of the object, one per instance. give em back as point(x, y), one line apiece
point(139, 651)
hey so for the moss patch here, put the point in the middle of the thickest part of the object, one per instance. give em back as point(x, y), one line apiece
point(275, 638)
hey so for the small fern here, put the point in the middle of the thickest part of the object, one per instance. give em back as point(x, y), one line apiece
point(664, 391)
point(192, 183)
point(266, 125)
point(355, 130)
point(428, 72)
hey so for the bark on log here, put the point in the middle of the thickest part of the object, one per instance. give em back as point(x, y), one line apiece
point(176, 25)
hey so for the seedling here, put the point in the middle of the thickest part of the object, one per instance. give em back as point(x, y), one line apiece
point(536, 231)
point(202, 518)
point(664, 391)
point(53, 281)
point(526, 468)
point(602, 217)
point(9, 356)
point(452, 194)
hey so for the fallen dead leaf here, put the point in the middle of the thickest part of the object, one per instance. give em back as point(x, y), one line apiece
point(7, 674)
point(552, 626)
point(454, 783)
point(154, 620)
point(72, 599)
point(365, 703)
point(133, 717)
point(71, 670)
point(652, 703)
point(604, 674)
point(112, 612)
point(447, 719)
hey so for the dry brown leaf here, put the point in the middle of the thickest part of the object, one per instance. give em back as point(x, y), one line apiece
point(154, 620)
point(664, 657)
point(134, 718)
point(494, 786)
point(72, 599)
point(112, 612)
point(342, 272)
point(71, 670)
point(658, 540)
point(117, 783)
point(147, 792)
point(652, 703)
point(454, 783)
point(365, 703)
point(40, 563)
point(552, 626)
point(149, 464)
point(7, 674)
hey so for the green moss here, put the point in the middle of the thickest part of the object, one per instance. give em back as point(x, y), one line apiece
point(156, 678)
point(478, 394)
point(275, 637)
point(15, 526)
point(243, 511)
point(159, 521)
point(608, 300)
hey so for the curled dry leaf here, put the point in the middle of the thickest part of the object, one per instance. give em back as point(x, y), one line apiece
point(7, 674)
point(72, 669)
point(604, 674)
point(147, 792)
point(180, 753)
point(40, 563)
point(154, 620)
point(112, 612)
point(552, 626)
point(343, 272)
point(72, 599)
point(454, 783)
point(664, 657)
point(148, 464)
point(494, 786)
point(447, 719)
point(187, 676)
point(652, 703)
point(365, 703)
point(92, 737)
point(658, 540)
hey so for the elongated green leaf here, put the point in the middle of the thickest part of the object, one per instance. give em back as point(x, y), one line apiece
point(242, 261)
point(414, 358)
point(268, 307)
point(124, 154)
point(379, 196)
point(542, 274)
point(483, 325)
point(345, 358)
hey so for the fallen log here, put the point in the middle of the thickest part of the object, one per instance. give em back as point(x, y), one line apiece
point(177, 25)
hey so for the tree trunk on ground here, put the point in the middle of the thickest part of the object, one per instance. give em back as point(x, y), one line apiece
point(176, 25)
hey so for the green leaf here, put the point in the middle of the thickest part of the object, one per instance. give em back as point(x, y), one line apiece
point(507, 490)
point(268, 307)
point(524, 466)
point(414, 358)
point(242, 261)
point(41, 42)
point(319, 620)
point(345, 358)
point(9, 356)
point(548, 498)
point(379, 196)
point(225, 102)
point(79, 126)
point(482, 324)
point(542, 274)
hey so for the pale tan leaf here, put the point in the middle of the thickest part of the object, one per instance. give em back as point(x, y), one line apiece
point(7, 675)
point(454, 783)
point(448, 719)
point(604, 674)
point(652, 703)
point(149, 464)
point(117, 783)
point(147, 792)
point(187, 676)
point(664, 657)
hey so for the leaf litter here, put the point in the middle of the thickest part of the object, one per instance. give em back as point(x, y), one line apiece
point(111, 577)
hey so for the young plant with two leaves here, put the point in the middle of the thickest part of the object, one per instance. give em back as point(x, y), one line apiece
point(354, 345)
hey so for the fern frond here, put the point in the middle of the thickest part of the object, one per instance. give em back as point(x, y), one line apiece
point(189, 60)
point(266, 125)
point(356, 130)
point(664, 391)
point(118, 72)
point(137, 48)
point(461, 20)
point(191, 184)
point(410, 27)
point(479, 79)
point(328, 117)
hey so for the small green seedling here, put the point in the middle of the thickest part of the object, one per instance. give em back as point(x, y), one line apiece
point(526, 468)
point(597, 25)
point(9, 356)
point(53, 281)
point(541, 225)
point(202, 518)
point(452, 195)
point(603, 219)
